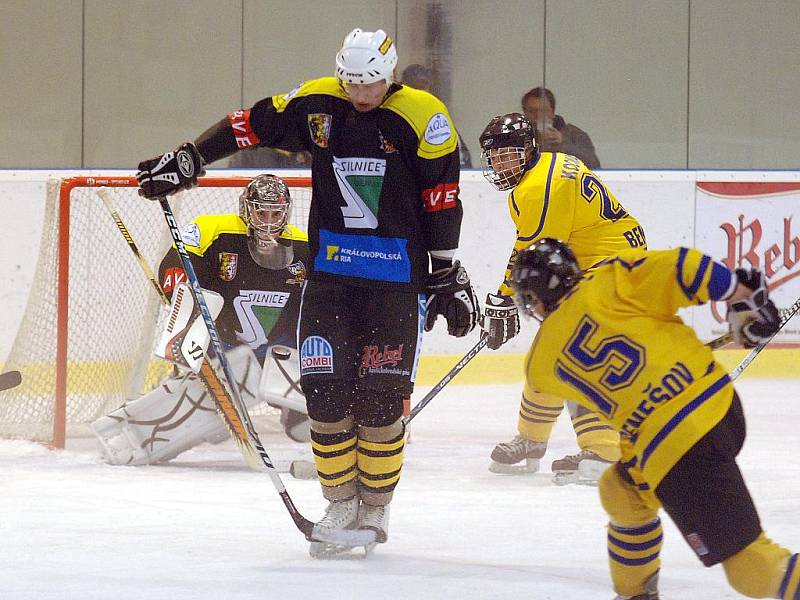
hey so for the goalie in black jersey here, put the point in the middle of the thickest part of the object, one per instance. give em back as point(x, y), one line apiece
point(253, 262)
point(385, 221)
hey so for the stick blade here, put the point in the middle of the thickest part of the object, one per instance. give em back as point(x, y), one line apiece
point(10, 379)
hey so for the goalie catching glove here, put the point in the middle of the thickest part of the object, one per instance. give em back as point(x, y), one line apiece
point(500, 320)
point(754, 319)
point(451, 295)
point(171, 172)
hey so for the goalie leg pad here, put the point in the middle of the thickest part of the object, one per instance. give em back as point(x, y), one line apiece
point(178, 415)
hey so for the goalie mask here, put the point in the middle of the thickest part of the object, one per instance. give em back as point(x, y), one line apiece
point(544, 273)
point(265, 207)
point(508, 148)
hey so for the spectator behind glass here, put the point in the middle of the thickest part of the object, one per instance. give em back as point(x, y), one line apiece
point(553, 133)
point(421, 77)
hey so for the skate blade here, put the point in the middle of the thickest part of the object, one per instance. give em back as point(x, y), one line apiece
point(343, 537)
point(323, 551)
point(573, 478)
point(531, 465)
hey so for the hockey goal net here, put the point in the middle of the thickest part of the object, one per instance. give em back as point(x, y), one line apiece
point(84, 345)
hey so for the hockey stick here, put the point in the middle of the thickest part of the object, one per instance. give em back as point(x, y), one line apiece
point(10, 379)
point(207, 374)
point(341, 537)
point(786, 315)
point(473, 352)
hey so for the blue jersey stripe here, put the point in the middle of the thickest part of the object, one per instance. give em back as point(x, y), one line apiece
point(681, 415)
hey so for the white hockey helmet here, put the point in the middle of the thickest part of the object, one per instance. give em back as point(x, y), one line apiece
point(366, 57)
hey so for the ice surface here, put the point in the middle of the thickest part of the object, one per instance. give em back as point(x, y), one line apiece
point(205, 527)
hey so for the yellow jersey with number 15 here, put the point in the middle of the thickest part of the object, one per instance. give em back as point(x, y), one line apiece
point(615, 345)
point(559, 197)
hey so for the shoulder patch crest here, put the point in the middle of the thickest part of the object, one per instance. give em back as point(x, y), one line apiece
point(438, 129)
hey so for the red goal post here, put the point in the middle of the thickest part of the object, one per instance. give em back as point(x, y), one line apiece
point(84, 345)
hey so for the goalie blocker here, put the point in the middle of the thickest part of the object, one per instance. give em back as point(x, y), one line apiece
point(180, 414)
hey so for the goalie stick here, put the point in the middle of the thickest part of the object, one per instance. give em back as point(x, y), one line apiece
point(339, 537)
point(786, 315)
point(207, 375)
point(10, 379)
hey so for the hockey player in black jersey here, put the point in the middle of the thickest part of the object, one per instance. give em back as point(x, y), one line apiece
point(384, 226)
point(256, 261)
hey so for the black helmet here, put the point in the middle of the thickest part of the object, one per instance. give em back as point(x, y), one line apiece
point(507, 147)
point(544, 273)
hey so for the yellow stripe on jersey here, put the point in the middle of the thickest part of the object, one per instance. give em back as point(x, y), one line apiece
point(210, 227)
point(560, 197)
point(329, 86)
point(616, 346)
point(429, 119)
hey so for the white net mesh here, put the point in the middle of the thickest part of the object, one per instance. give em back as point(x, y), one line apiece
point(113, 311)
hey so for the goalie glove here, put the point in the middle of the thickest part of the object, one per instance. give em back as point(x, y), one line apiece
point(500, 320)
point(451, 295)
point(171, 172)
point(754, 320)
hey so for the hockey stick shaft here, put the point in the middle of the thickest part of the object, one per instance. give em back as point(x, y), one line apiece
point(473, 352)
point(303, 524)
point(207, 374)
point(786, 316)
point(10, 379)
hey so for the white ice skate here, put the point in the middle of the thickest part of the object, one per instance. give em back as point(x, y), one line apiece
point(650, 593)
point(584, 468)
point(340, 516)
point(375, 519)
point(518, 456)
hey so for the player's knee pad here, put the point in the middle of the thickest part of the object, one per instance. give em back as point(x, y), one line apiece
point(763, 570)
point(334, 447)
point(622, 500)
point(380, 459)
point(537, 414)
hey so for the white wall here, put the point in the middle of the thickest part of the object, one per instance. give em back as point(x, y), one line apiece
point(665, 202)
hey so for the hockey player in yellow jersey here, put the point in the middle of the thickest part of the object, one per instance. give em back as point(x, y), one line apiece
point(610, 340)
point(552, 195)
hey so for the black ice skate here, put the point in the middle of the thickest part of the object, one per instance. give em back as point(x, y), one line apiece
point(584, 468)
point(520, 455)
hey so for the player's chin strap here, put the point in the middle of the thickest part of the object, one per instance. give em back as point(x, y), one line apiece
point(473, 352)
point(340, 537)
point(786, 315)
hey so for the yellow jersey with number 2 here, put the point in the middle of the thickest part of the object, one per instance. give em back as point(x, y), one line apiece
point(559, 197)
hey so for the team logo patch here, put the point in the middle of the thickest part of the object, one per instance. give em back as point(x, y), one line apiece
point(228, 263)
point(298, 271)
point(319, 125)
point(438, 130)
point(316, 356)
point(191, 235)
point(386, 145)
point(697, 544)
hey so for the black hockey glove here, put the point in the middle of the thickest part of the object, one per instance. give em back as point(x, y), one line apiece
point(171, 172)
point(451, 295)
point(754, 320)
point(500, 320)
